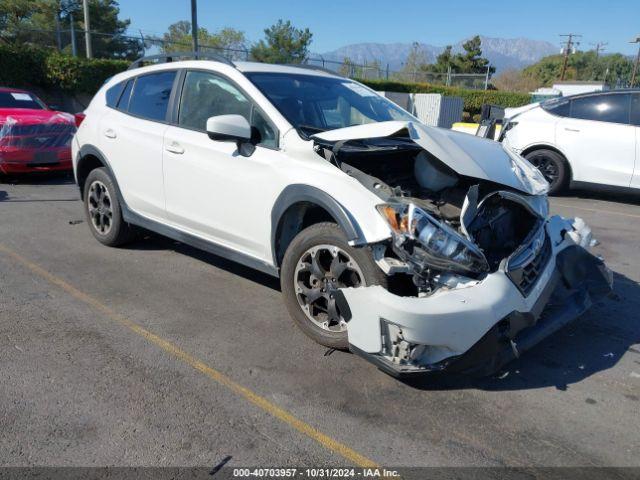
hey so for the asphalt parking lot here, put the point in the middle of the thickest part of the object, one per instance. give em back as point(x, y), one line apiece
point(157, 354)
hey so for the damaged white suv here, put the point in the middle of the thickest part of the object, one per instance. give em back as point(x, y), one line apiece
point(420, 249)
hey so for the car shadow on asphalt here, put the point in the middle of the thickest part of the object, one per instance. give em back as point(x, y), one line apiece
point(39, 178)
point(153, 241)
point(628, 197)
point(591, 344)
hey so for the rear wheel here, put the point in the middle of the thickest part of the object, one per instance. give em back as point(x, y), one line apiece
point(553, 167)
point(318, 262)
point(103, 211)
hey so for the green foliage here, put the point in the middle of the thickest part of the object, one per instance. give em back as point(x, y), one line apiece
point(473, 99)
point(178, 38)
point(586, 66)
point(33, 21)
point(283, 43)
point(471, 60)
point(26, 66)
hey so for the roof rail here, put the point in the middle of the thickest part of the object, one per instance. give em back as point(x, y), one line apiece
point(312, 67)
point(175, 56)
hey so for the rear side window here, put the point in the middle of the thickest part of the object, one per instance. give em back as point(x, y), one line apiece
point(635, 109)
point(557, 107)
point(602, 108)
point(113, 94)
point(150, 97)
point(123, 102)
point(19, 100)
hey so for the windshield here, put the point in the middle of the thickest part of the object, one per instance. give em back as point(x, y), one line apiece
point(19, 100)
point(313, 103)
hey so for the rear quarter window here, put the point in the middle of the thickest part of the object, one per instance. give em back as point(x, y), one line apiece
point(113, 94)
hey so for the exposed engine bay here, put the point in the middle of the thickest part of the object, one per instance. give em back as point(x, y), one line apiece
point(443, 222)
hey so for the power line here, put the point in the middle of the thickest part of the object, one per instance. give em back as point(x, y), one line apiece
point(567, 50)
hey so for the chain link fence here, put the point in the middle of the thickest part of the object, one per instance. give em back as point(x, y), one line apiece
point(128, 47)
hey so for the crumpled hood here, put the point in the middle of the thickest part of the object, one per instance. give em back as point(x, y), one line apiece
point(465, 154)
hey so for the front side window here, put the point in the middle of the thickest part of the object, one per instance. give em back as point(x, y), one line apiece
point(612, 108)
point(150, 97)
point(314, 103)
point(207, 95)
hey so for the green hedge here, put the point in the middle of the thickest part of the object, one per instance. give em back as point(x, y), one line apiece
point(473, 99)
point(27, 66)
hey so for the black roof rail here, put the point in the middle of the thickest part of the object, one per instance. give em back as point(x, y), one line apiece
point(311, 67)
point(176, 56)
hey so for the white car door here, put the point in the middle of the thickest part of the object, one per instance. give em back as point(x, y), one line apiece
point(635, 121)
point(598, 140)
point(211, 190)
point(132, 137)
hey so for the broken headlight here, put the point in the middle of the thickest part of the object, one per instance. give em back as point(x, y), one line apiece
point(429, 242)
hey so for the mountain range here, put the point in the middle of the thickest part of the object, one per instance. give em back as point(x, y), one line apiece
point(503, 53)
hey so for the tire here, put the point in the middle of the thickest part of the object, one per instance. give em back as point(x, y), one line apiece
point(553, 167)
point(101, 203)
point(329, 244)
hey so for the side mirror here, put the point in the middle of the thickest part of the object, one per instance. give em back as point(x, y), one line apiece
point(230, 128)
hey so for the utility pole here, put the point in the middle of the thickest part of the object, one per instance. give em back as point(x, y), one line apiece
point(635, 65)
point(567, 49)
point(598, 47)
point(58, 33)
point(194, 25)
point(87, 28)
point(72, 28)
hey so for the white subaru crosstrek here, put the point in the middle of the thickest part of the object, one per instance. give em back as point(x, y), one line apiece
point(590, 140)
point(419, 248)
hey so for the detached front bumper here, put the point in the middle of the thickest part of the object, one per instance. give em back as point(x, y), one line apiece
point(477, 327)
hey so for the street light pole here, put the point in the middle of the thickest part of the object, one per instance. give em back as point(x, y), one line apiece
point(87, 28)
point(194, 25)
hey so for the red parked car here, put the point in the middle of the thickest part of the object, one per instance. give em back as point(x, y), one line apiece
point(33, 137)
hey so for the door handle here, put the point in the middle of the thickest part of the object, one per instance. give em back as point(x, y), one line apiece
point(110, 133)
point(174, 147)
point(571, 129)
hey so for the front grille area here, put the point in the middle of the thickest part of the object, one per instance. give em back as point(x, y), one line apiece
point(527, 265)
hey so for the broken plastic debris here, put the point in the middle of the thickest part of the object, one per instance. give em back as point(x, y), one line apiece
point(503, 375)
point(581, 367)
point(610, 355)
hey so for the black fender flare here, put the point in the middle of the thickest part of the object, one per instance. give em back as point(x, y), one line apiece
point(87, 150)
point(297, 193)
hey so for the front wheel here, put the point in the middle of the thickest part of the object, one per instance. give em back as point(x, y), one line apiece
point(553, 167)
point(317, 263)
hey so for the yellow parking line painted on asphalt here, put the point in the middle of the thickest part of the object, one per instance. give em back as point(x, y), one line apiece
point(597, 210)
point(219, 377)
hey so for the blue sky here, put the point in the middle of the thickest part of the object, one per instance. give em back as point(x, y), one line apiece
point(336, 23)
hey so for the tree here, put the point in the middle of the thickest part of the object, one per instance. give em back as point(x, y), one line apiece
point(33, 21)
point(615, 69)
point(283, 43)
point(416, 60)
point(443, 61)
point(471, 59)
point(229, 41)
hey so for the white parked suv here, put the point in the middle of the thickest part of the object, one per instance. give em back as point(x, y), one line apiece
point(420, 249)
point(589, 140)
